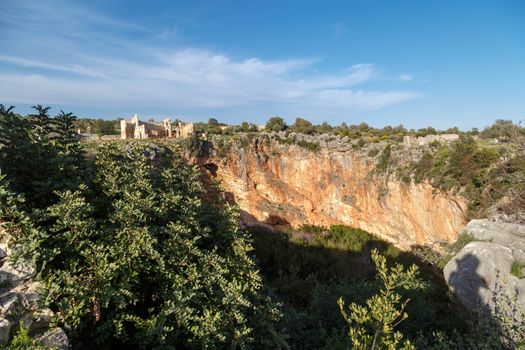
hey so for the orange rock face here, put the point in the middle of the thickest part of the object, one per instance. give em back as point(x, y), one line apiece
point(283, 184)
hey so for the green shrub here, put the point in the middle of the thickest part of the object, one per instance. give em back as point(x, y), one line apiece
point(373, 152)
point(406, 179)
point(384, 159)
point(195, 146)
point(142, 256)
point(303, 126)
point(311, 146)
point(22, 341)
point(276, 124)
point(373, 326)
point(516, 269)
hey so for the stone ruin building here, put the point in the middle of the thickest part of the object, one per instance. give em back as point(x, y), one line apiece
point(135, 129)
point(425, 140)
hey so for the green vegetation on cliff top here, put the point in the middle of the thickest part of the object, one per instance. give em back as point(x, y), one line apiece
point(136, 251)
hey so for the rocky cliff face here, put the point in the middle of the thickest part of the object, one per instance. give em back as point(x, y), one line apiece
point(488, 276)
point(281, 184)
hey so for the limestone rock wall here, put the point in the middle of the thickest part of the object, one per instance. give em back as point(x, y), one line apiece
point(482, 276)
point(276, 183)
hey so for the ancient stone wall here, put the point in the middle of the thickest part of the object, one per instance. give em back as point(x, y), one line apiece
point(136, 129)
point(425, 140)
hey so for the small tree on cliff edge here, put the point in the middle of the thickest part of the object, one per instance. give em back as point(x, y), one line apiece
point(303, 126)
point(276, 124)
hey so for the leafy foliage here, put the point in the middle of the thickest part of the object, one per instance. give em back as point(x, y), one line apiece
point(384, 159)
point(516, 269)
point(276, 124)
point(477, 172)
point(308, 269)
point(138, 254)
point(22, 341)
point(302, 126)
point(372, 326)
point(39, 154)
point(98, 126)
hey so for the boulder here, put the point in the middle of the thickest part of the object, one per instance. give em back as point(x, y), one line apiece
point(20, 297)
point(505, 234)
point(10, 273)
point(55, 338)
point(31, 295)
point(5, 328)
point(480, 274)
point(41, 319)
point(477, 271)
point(9, 304)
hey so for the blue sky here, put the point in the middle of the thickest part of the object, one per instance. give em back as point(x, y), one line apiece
point(418, 63)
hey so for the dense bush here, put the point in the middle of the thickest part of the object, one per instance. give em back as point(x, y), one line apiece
point(501, 129)
point(135, 252)
point(98, 126)
point(311, 267)
point(138, 254)
point(473, 170)
point(302, 126)
point(276, 124)
point(40, 155)
point(384, 159)
point(211, 127)
point(195, 146)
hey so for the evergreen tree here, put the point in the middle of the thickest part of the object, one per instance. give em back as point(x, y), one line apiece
point(64, 127)
point(41, 122)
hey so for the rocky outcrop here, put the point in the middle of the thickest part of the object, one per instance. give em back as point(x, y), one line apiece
point(488, 273)
point(20, 303)
point(285, 184)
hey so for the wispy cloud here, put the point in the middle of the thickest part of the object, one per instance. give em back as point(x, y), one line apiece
point(339, 28)
point(89, 66)
point(167, 34)
point(405, 77)
point(75, 68)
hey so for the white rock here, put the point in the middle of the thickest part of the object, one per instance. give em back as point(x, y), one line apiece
point(476, 271)
point(480, 274)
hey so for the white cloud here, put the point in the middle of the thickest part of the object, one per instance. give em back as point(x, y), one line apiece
point(81, 68)
point(194, 78)
point(405, 77)
point(75, 68)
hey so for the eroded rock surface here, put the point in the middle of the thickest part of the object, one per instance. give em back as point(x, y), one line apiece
point(481, 274)
point(276, 183)
point(19, 303)
point(56, 338)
